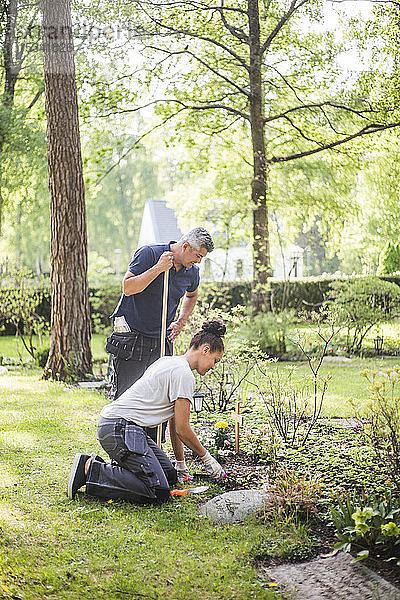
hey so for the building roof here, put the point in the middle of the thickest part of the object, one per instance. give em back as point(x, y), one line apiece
point(164, 221)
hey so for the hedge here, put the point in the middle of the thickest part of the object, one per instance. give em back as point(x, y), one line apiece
point(102, 302)
point(301, 294)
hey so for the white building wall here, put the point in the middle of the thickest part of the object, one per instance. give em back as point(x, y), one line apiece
point(291, 264)
point(234, 264)
point(147, 234)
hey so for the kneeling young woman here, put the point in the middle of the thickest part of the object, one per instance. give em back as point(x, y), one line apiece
point(139, 470)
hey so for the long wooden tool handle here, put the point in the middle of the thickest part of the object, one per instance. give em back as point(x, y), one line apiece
point(164, 314)
point(163, 336)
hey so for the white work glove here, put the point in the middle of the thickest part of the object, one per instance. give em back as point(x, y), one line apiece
point(213, 467)
point(182, 470)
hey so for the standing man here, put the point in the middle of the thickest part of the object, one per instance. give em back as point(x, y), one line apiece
point(135, 343)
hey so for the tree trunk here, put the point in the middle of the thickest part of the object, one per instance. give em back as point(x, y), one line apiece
point(70, 353)
point(11, 72)
point(261, 252)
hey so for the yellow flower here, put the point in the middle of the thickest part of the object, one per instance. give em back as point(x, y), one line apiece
point(221, 425)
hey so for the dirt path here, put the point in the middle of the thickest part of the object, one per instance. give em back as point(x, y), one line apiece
point(333, 578)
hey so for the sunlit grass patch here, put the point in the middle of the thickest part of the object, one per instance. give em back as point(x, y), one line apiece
point(55, 548)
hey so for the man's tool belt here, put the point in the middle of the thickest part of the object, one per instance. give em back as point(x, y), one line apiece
point(122, 345)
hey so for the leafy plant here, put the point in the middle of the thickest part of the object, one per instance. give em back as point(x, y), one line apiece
point(293, 494)
point(389, 258)
point(222, 436)
point(380, 425)
point(41, 356)
point(261, 442)
point(369, 524)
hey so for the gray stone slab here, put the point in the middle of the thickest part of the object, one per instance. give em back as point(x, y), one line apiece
point(333, 578)
point(337, 359)
point(92, 385)
point(233, 507)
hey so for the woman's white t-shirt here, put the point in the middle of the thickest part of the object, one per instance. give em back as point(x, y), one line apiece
point(151, 399)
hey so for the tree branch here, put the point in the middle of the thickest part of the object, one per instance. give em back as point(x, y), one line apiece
point(34, 100)
point(372, 128)
point(205, 64)
point(235, 31)
point(295, 5)
point(360, 113)
point(136, 144)
point(208, 106)
point(188, 33)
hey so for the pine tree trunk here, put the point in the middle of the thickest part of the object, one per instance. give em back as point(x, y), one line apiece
point(261, 251)
point(70, 353)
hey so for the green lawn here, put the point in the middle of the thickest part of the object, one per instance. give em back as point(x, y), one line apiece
point(346, 384)
point(11, 347)
point(55, 548)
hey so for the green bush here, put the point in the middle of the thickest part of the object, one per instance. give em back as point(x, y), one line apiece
point(269, 330)
point(300, 294)
point(389, 259)
point(362, 303)
point(220, 295)
point(103, 301)
point(19, 302)
point(41, 356)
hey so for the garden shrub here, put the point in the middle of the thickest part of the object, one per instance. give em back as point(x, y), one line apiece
point(41, 356)
point(361, 304)
point(389, 258)
point(228, 380)
point(19, 302)
point(380, 427)
point(300, 294)
point(368, 524)
point(293, 494)
point(221, 295)
point(269, 330)
point(103, 301)
point(294, 404)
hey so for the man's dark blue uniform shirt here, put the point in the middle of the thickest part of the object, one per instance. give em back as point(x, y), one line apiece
point(143, 311)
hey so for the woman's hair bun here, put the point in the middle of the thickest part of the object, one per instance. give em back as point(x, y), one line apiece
point(216, 327)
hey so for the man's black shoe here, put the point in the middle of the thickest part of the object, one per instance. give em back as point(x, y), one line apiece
point(77, 477)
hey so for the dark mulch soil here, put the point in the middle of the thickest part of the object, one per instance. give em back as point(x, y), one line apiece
point(245, 471)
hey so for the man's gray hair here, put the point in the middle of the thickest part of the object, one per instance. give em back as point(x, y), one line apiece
point(199, 238)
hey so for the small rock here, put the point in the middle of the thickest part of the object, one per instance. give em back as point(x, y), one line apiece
point(92, 384)
point(233, 507)
point(337, 359)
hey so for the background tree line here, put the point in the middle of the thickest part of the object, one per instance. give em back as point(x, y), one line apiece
point(246, 105)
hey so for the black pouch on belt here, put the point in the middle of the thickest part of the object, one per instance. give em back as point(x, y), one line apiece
point(122, 345)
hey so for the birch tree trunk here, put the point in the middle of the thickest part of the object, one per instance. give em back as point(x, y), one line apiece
point(70, 353)
point(261, 249)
